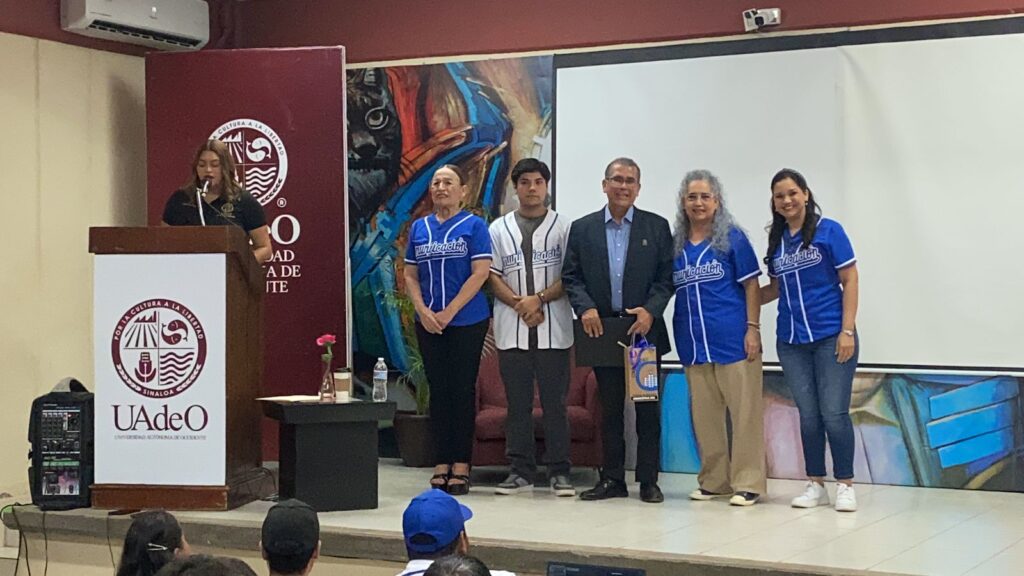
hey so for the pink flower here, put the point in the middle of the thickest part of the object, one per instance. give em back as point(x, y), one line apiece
point(326, 339)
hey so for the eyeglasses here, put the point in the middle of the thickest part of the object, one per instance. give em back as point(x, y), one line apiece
point(623, 180)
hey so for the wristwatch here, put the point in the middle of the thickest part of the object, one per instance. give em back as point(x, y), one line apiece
point(540, 296)
point(848, 332)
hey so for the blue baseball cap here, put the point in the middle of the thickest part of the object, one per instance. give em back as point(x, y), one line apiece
point(432, 521)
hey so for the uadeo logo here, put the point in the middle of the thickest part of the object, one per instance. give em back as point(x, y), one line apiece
point(260, 158)
point(158, 348)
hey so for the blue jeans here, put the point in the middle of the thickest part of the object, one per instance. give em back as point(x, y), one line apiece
point(821, 388)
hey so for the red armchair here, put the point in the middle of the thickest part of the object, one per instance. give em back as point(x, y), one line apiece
point(582, 407)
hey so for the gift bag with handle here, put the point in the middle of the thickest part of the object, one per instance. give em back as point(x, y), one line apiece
point(641, 359)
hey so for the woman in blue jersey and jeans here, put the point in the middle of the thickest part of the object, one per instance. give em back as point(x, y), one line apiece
point(447, 261)
point(716, 327)
point(813, 274)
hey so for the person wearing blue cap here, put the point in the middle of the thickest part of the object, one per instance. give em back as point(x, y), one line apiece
point(457, 566)
point(434, 526)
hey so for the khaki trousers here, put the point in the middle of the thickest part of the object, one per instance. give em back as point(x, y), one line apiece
point(714, 388)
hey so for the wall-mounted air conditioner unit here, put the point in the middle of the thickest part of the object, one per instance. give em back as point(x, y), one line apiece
point(162, 24)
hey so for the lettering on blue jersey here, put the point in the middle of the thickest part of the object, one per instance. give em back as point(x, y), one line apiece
point(435, 250)
point(798, 260)
point(695, 274)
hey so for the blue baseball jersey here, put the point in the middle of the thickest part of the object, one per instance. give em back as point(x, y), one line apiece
point(443, 254)
point(710, 318)
point(810, 295)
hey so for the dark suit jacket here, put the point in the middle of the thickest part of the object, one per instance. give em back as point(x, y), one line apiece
point(647, 280)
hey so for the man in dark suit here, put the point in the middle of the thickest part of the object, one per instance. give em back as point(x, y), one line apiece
point(619, 263)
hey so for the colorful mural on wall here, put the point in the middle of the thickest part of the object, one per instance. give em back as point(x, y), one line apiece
point(943, 431)
point(404, 122)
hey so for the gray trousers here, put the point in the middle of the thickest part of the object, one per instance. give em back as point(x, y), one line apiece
point(550, 370)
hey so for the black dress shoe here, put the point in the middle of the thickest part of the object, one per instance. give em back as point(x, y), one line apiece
point(605, 489)
point(651, 493)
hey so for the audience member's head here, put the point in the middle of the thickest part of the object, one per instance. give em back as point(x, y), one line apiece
point(291, 538)
point(153, 540)
point(203, 565)
point(238, 567)
point(434, 525)
point(457, 566)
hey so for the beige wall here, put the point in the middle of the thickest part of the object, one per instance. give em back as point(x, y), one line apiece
point(72, 155)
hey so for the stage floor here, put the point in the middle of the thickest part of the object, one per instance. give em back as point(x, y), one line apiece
point(897, 530)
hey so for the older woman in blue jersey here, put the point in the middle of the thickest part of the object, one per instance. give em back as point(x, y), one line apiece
point(716, 323)
point(814, 276)
point(447, 261)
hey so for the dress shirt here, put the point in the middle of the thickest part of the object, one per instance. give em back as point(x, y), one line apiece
point(617, 236)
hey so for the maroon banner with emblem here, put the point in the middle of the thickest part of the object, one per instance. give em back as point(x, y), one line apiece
point(282, 114)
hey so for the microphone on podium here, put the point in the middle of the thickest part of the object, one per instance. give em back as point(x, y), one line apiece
point(199, 199)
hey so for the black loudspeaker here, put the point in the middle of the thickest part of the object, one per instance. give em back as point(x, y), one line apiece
point(60, 430)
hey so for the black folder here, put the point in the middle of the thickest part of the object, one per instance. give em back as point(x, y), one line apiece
point(603, 351)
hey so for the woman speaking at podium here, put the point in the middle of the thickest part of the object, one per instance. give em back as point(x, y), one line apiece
point(213, 197)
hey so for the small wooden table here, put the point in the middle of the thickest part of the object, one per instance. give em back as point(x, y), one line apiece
point(328, 452)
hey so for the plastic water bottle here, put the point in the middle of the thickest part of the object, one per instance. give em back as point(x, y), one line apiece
point(380, 381)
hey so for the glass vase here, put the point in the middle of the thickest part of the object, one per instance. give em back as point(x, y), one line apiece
point(327, 390)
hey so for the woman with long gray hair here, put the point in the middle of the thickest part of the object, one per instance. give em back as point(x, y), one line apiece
point(716, 325)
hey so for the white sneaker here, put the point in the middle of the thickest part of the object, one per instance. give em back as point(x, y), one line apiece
point(846, 498)
point(814, 495)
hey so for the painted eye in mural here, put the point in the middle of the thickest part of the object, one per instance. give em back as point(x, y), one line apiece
point(377, 118)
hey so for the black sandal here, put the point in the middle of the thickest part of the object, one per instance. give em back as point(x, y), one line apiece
point(460, 489)
point(443, 484)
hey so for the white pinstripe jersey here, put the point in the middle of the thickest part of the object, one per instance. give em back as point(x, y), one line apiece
point(549, 246)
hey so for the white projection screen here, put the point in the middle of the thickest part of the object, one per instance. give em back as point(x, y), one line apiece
point(915, 145)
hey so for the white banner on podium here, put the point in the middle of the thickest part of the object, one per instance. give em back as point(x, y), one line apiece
point(159, 352)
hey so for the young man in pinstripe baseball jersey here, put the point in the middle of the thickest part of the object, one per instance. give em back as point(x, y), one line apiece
point(533, 328)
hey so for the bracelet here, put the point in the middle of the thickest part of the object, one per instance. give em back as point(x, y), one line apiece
point(848, 332)
point(754, 325)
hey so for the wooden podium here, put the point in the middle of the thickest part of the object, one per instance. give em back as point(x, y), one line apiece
point(178, 349)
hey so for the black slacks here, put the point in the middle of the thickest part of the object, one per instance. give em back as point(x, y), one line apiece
point(452, 361)
point(611, 386)
point(549, 369)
